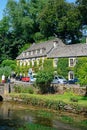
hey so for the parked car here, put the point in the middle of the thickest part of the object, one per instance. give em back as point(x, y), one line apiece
point(73, 81)
point(32, 78)
point(59, 80)
point(25, 79)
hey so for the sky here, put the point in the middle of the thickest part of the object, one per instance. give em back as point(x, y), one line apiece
point(3, 4)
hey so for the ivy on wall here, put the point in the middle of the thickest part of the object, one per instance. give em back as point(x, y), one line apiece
point(81, 70)
point(48, 64)
point(62, 67)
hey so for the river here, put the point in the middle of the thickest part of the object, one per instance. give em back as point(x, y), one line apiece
point(14, 116)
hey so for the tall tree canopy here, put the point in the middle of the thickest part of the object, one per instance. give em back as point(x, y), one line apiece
point(28, 21)
point(82, 6)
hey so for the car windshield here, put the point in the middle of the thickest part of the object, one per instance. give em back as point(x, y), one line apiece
point(61, 77)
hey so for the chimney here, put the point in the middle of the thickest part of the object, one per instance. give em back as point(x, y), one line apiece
point(55, 43)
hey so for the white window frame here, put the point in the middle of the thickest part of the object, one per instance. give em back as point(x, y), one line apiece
point(55, 62)
point(24, 62)
point(31, 52)
point(37, 61)
point(71, 75)
point(33, 60)
point(23, 54)
point(21, 62)
point(27, 53)
point(73, 62)
point(40, 51)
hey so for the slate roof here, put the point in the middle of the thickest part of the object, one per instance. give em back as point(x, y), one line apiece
point(61, 50)
point(73, 50)
point(47, 46)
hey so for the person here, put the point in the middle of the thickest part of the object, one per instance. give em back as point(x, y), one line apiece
point(3, 78)
point(8, 79)
point(20, 76)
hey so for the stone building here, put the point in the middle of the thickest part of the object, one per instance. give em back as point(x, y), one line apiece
point(53, 49)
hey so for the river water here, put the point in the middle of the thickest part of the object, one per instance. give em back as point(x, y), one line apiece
point(14, 116)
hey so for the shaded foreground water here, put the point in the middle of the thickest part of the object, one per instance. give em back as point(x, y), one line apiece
point(14, 116)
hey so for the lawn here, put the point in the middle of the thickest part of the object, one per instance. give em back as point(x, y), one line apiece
point(67, 97)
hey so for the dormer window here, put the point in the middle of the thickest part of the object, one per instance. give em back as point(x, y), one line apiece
point(27, 53)
point(36, 52)
point(40, 51)
point(43, 50)
point(23, 54)
point(31, 52)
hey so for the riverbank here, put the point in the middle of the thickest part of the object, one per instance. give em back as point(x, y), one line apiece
point(67, 102)
point(27, 117)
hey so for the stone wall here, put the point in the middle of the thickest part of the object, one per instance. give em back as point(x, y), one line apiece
point(57, 88)
point(61, 88)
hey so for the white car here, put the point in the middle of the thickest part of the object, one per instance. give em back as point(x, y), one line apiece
point(59, 80)
point(32, 78)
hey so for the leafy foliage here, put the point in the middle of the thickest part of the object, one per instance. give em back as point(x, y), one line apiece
point(81, 70)
point(5, 70)
point(43, 80)
point(48, 65)
point(28, 21)
point(10, 63)
point(62, 67)
point(82, 6)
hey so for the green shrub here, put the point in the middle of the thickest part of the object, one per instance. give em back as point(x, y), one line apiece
point(10, 63)
point(5, 70)
point(43, 80)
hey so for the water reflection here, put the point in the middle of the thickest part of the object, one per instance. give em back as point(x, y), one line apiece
point(13, 116)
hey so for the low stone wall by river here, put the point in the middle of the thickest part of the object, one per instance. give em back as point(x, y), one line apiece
point(61, 88)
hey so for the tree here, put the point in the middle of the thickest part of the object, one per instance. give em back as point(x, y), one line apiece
point(5, 70)
point(82, 6)
point(70, 25)
point(62, 19)
point(10, 63)
point(43, 80)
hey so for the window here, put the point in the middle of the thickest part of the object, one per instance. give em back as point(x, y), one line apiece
point(72, 62)
point(34, 52)
point(23, 54)
point(71, 75)
point(40, 51)
point(31, 52)
point(27, 53)
point(43, 50)
point(24, 62)
point(33, 61)
point(20, 63)
point(37, 61)
point(55, 62)
point(28, 62)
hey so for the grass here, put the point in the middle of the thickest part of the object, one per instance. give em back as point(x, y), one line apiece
point(66, 97)
point(51, 101)
point(35, 127)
